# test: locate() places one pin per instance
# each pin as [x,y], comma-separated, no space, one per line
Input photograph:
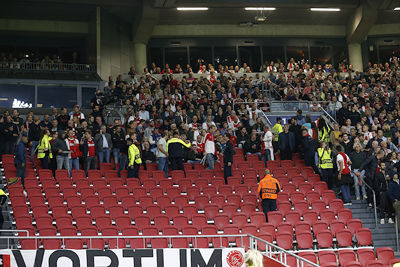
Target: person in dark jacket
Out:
[147,155]
[381,187]
[175,151]
[308,148]
[20,158]
[252,146]
[357,158]
[394,195]
[347,144]
[2,136]
[104,144]
[34,136]
[295,128]
[286,143]
[370,165]
[61,152]
[11,135]
[228,157]
[118,141]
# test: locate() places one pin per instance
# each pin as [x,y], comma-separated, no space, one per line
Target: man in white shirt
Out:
[162,154]
[143,113]
[209,147]
[208,123]
[268,148]
[344,174]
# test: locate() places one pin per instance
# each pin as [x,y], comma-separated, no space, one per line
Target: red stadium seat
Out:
[385,254]
[336,225]
[275,217]
[285,240]
[327,256]
[310,216]
[353,225]
[344,238]
[346,256]
[324,239]
[364,237]
[304,240]
[365,256]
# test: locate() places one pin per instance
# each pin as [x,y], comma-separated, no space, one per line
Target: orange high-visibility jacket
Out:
[269,187]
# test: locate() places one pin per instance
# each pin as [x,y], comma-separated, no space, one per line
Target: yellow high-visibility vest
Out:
[325,158]
[134,155]
[276,130]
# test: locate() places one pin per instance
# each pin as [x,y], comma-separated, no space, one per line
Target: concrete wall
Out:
[116,49]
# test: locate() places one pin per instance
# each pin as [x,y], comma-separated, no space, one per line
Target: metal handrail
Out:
[397,233]
[374,199]
[54,67]
[280,251]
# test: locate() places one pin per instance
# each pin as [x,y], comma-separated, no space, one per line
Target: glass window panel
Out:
[273,53]
[18,92]
[298,53]
[175,56]
[388,52]
[321,55]
[55,95]
[250,55]
[156,56]
[196,53]
[87,95]
[225,56]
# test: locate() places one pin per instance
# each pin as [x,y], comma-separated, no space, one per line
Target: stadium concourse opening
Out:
[200,133]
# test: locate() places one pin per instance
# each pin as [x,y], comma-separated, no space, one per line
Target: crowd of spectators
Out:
[210,111]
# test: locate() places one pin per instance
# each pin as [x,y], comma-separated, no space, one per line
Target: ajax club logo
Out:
[235,258]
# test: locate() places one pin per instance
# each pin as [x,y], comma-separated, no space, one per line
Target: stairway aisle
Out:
[7,224]
[382,236]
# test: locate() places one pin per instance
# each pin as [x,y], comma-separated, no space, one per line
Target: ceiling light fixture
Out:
[260,8]
[325,9]
[192,8]
[397,8]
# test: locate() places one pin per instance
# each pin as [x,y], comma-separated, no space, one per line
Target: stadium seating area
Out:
[310,220]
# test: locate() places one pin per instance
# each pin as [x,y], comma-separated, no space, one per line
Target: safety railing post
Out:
[376,215]
[397,233]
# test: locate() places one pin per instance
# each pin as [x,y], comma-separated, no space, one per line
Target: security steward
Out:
[134,159]
[268,190]
[3,199]
[44,149]
[175,151]
[325,164]
[276,130]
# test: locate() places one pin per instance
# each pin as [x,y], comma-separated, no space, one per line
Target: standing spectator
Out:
[370,165]
[104,144]
[343,163]
[268,147]
[147,155]
[89,151]
[286,143]
[308,149]
[325,163]
[162,154]
[268,190]
[143,113]
[228,157]
[61,151]
[18,121]
[63,119]
[134,159]
[2,136]
[45,123]
[209,148]
[77,114]
[381,186]
[20,158]
[252,146]
[11,135]
[118,141]
[44,149]
[277,129]
[357,158]
[175,151]
[34,136]
[347,144]
[73,147]
[394,194]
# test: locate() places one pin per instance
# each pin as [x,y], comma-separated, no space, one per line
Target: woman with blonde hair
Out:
[253,258]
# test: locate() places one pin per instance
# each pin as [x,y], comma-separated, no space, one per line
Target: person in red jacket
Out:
[73,145]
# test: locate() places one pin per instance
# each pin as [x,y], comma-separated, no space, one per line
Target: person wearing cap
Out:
[175,151]
[134,159]
[20,158]
[60,149]
[268,190]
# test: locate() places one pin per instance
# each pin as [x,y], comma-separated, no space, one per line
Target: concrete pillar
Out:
[355,56]
[140,56]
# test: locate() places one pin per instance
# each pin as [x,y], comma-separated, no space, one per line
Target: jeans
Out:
[258,154]
[75,163]
[210,161]
[123,160]
[268,205]
[346,193]
[104,156]
[163,165]
[115,152]
[90,164]
[33,148]
[356,185]
[266,156]
[21,170]
[63,160]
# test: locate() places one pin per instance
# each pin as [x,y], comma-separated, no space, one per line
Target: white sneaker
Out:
[365,196]
[391,220]
[357,198]
[369,204]
[382,221]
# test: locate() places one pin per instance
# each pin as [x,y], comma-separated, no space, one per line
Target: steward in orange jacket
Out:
[268,190]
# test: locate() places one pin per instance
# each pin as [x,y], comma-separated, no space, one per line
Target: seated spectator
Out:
[252,146]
